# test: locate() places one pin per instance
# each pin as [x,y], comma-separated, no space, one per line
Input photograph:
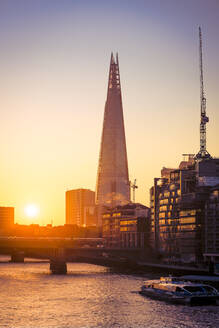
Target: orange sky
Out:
[54,69]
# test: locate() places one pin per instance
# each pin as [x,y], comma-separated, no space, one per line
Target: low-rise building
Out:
[6,218]
[126,226]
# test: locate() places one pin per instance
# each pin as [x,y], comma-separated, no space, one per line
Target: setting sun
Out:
[31,210]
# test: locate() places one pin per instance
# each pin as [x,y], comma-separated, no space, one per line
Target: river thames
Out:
[88,296]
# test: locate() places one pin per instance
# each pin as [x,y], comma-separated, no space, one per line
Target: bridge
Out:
[62,250]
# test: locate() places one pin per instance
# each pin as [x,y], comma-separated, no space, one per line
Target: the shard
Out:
[113,187]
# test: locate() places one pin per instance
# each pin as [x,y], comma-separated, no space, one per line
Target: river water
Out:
[88,296]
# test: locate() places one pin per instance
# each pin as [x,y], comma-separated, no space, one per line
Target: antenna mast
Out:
[203,153]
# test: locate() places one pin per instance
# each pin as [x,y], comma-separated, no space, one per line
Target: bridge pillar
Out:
[57,261]
[17,257]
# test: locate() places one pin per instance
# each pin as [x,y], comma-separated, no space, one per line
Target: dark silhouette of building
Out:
[67,230]
[112,179]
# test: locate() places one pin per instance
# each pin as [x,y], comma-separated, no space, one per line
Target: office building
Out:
[80,207]
[6,218]
[181,200]
[211,241]
[127,226]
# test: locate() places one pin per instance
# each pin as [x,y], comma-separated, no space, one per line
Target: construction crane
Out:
[203,153]
[133,186]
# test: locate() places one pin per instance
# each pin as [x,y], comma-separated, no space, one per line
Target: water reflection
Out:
[89,296]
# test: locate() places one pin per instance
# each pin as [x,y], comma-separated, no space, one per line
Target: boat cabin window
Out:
[208,289]
[178,289]
[194,289]
[149,285]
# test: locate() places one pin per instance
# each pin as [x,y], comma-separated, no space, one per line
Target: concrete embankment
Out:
[171,269]
[143,266]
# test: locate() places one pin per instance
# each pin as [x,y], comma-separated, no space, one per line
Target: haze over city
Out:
[54,72]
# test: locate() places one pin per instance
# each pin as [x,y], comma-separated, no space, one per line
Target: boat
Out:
[208,280]
[180,292]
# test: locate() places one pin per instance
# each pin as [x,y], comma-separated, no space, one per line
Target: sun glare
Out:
[31,210]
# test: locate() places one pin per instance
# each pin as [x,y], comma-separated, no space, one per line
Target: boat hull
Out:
[193,300]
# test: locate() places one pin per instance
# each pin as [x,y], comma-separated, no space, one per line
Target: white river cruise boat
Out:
[181,292]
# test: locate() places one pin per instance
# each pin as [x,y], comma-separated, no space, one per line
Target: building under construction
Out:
[185,203]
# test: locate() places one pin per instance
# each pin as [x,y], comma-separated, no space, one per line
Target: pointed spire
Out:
[117,59]
[112,60]
[114,77]
[113,186]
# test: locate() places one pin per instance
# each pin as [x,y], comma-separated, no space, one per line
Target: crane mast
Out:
[203,153]
[133,186]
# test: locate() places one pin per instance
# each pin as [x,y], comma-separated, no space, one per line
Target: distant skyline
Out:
[54,63]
